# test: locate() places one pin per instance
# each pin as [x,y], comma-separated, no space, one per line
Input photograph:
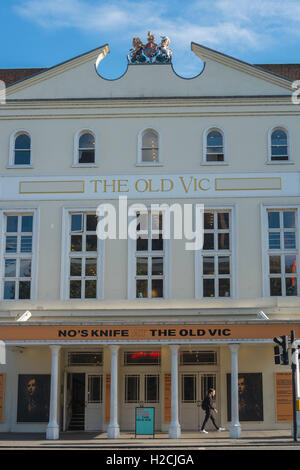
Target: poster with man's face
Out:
[250,397]
[33,398]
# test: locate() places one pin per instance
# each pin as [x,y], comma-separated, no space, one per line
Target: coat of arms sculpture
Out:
[151,52]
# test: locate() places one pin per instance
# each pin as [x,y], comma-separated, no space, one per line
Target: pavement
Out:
[277,439]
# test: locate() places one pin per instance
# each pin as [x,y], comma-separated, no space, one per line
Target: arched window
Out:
[214,146]
[22,149]
[150,147]
[279,145]
[86,148]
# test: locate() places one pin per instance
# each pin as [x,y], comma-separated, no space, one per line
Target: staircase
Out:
[77,421]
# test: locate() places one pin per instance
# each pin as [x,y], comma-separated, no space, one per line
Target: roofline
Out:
[259,67]
[211,52]
[247,64]
[49,69]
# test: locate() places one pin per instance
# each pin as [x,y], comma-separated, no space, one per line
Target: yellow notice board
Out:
[2,378]
[284,397]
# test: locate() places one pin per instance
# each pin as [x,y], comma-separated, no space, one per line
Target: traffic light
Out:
[277,355]
[281,352]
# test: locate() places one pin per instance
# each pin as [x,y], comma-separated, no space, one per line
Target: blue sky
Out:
[42,33]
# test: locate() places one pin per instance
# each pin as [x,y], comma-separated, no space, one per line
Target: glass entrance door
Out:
[94,402]
[193,389]
[76,402]
[140,390]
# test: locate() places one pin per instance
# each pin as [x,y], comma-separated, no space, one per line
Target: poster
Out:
[167,398]
[1,396]
[284,397]
[33,398]
[250,397]
[107,398]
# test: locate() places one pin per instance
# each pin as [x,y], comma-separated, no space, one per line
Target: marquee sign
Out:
[159,333]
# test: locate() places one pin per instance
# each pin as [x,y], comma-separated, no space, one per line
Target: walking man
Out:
[208,407]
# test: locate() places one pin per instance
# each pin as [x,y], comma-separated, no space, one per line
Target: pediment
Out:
[78,78]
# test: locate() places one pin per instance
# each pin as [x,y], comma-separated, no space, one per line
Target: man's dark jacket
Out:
[207,404]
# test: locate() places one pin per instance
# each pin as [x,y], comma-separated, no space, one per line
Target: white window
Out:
[282,252]
[20,149]
[95,389]
[195,387]
[132,388]
[135,393]
[18,260]
[84,148]
[149,147]
[279,148]
[213,150]
[83,268]
[214,263]
[148,258]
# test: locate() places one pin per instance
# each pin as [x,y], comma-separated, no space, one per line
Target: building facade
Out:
[121,323]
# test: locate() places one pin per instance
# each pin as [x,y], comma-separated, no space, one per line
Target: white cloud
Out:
[267,10]
[134,18]
[225,24]
[70,13]
[85,15]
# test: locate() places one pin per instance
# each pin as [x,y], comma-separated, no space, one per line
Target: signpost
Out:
[144,421]
[293,365]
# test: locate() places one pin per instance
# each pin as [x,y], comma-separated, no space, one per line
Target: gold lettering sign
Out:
[189,184]
[178,185]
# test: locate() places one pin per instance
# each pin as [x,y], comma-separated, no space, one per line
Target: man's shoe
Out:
[221,429]
[203,431]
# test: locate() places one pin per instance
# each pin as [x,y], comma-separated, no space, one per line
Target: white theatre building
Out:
[121,323]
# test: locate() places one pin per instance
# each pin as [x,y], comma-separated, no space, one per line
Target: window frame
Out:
[204,149]
[232,253]
[84,352]
[140,162]
[34,253]
[91,376]
[264,245]
[199,351]
[131,286]
[125,362]
[12,140]
[65,256]
[77,136]
[269,161]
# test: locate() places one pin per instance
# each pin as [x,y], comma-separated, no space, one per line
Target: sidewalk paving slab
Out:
[127,440]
